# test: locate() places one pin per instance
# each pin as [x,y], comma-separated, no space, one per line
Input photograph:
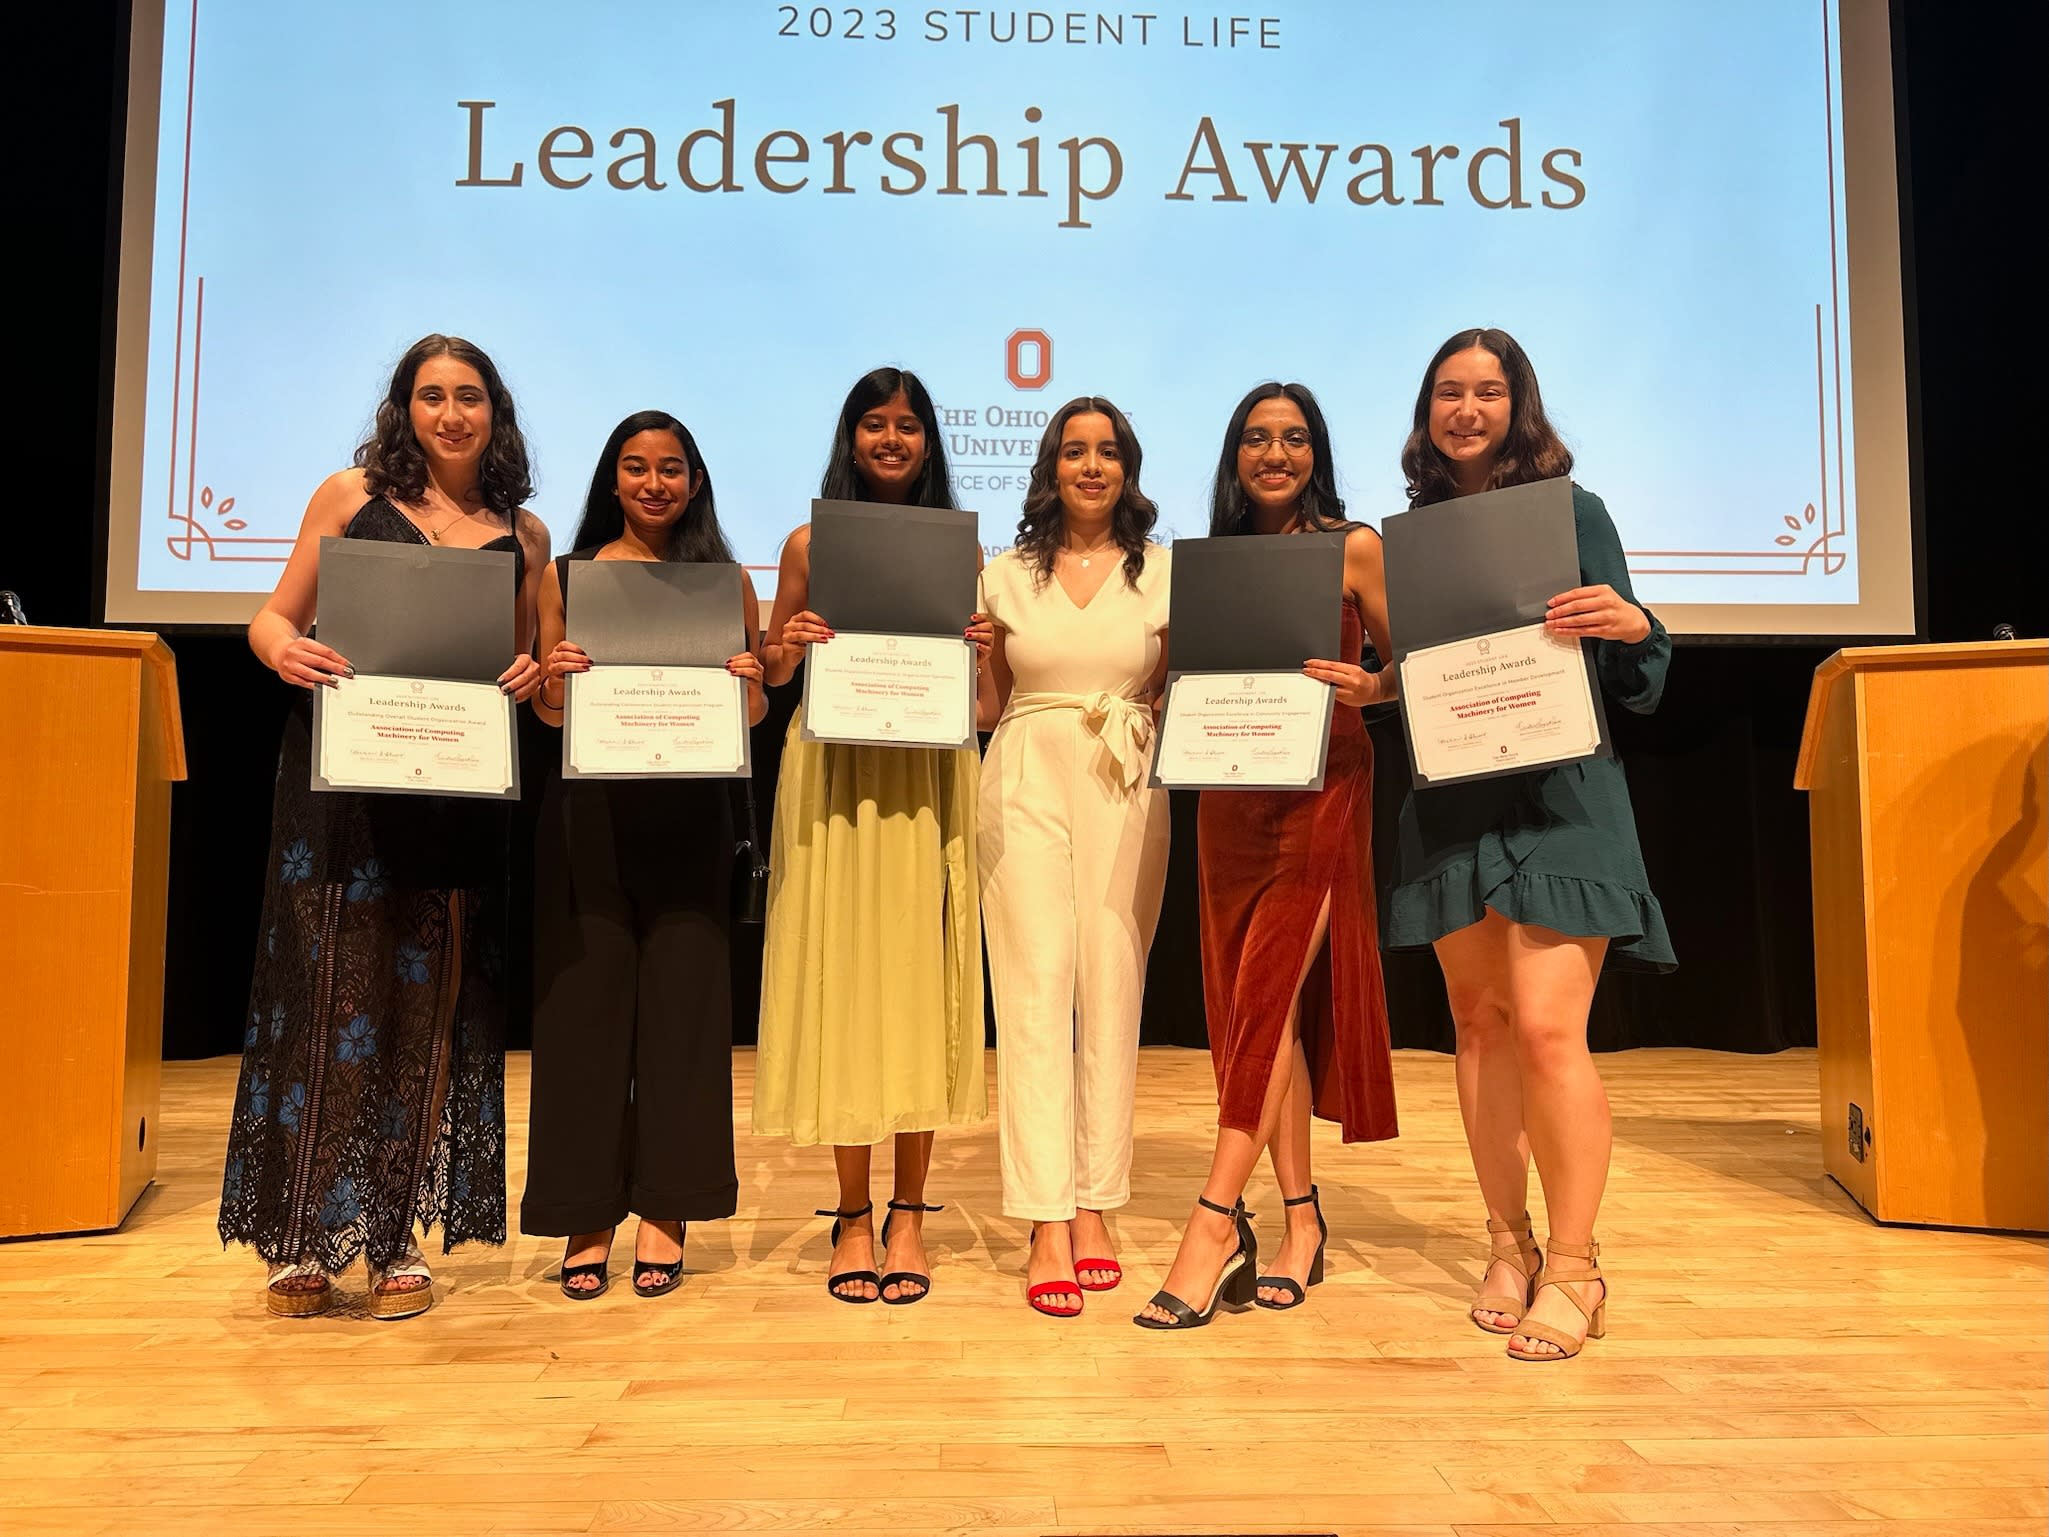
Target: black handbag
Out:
[750,865]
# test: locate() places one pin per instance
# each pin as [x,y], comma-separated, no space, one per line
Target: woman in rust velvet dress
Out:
[1290,946]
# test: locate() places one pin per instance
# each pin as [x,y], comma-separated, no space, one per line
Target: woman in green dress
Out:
[1524,884]
[871,973]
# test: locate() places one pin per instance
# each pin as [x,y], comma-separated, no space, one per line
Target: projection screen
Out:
[1688,214]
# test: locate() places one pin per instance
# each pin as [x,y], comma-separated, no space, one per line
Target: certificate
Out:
[657,702]
[890,690]
[428,631]
[655,722]
[1518,699]
[1243,731]
[426,736]
[1483,689]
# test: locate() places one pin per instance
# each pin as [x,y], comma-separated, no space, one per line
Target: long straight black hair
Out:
[696,535]
[1230,510]
[843,483]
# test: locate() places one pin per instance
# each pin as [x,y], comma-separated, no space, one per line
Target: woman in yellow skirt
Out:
[871,988]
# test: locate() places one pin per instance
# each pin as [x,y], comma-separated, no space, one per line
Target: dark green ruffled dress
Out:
[1555,847]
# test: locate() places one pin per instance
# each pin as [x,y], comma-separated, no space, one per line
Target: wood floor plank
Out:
[1778,1365]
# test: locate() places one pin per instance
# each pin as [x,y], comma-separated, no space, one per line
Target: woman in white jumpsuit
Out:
[1073,846]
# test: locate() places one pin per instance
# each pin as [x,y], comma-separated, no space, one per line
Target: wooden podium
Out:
[89,745]
[1931,932]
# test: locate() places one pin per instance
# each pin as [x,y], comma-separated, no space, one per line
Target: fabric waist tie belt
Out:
[1124,726]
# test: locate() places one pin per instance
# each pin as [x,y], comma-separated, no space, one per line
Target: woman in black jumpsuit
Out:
[632,1067]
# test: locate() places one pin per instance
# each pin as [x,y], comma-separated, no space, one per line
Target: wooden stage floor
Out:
[1777,1366]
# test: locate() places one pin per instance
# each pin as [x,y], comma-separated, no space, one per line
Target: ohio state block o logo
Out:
[1028,359]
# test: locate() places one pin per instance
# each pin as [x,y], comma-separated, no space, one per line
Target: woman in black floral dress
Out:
[373,1072]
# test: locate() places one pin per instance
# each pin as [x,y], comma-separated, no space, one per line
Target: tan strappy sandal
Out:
[1565,1280]
[1514,1245]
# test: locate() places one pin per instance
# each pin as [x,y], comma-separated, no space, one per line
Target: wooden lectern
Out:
[89,745]
[1931,931]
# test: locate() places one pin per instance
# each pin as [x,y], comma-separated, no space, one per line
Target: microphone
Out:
[10,609]
[1999,631]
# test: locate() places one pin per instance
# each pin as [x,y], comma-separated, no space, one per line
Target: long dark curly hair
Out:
[1321,508]
[1039,531]
[843,483]
[395,466]
[1531,451]
[695,536]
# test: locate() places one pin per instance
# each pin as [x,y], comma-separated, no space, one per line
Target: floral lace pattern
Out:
[372,1090]
[369,994]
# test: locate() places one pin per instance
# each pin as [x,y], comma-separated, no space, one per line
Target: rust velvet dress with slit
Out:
[1266,859]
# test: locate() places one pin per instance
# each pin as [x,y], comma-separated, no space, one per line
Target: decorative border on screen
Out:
[1824,525]
[201,504]
[1823,528]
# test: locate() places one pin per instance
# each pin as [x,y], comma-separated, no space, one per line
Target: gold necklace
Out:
[434,534]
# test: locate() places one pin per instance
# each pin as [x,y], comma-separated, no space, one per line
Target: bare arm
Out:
[522,680]
[558,657]
[1366,582]
[792,627]
[278,632]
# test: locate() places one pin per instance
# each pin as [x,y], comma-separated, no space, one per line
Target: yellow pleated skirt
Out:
[871,987]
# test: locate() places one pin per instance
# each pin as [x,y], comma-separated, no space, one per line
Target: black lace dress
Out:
[379,973]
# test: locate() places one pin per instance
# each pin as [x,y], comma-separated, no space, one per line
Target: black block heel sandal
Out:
[834,1282]
[1287,1283]
[897,1278]
[1234,1281]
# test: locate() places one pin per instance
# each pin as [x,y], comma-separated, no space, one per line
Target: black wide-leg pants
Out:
[632,1107]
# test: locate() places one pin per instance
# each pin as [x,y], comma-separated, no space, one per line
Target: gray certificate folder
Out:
[1477,564]
[642,613]
[1255,602]
[415,611]
[1480,564]
[655,613]
[893,570]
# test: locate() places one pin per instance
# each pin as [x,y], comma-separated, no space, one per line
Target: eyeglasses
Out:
[1255,440]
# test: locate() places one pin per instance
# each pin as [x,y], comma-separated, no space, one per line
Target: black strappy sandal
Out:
[671,1274]
[1288,1283]
[571,1272]
[1234,1281]
[897,1278]
[834,1282]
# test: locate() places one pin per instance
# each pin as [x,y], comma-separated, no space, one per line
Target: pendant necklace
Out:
[1087,556]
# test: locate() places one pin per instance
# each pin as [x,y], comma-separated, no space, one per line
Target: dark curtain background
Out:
[1724,833]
